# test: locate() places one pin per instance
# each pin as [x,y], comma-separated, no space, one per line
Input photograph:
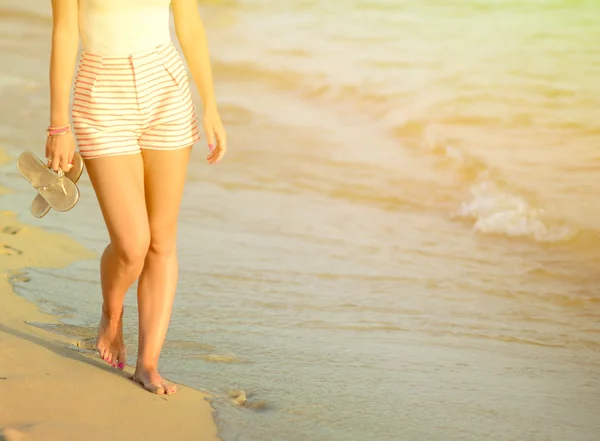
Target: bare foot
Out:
[110,343]
[153,382]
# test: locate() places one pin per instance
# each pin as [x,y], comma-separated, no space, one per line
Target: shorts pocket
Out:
[87,77]
[174,67]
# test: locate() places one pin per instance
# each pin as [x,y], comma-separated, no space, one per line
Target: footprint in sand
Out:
[87,344]
[239,398]
[10,230]
[6,250]
[10,434]
[19,277]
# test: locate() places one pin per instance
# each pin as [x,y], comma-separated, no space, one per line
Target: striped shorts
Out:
[122,105]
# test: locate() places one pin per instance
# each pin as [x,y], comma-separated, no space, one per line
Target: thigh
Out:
[119,185]
[165,174]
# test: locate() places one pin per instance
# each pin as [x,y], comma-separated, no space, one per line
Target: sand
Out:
[51,392]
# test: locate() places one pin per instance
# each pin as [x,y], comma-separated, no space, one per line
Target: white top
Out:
[123,27]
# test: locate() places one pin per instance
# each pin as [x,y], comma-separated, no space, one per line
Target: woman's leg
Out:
[165,173]
[119,185]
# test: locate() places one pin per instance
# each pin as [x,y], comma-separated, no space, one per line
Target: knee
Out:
[162,246]
[133,250]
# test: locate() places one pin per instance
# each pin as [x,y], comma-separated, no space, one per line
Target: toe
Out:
[169,388]
[122,361]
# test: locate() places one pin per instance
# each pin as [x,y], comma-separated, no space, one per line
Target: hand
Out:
[215,132]
[60,150]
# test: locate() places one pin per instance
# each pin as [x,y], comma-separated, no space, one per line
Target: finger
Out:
[65,164]
[211,159]
[48,146]
[71,158]
[210,136]
[214,152]
[222,143]
[216,156]
[220,156]
[221,146]
[55,162]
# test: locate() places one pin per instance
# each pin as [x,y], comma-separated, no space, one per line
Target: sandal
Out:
[60,193]
[39,206]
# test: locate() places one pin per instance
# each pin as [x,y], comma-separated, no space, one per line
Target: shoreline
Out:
[50,392]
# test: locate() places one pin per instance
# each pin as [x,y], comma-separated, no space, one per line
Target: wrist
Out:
[58,130]
[59,120]
[210,106]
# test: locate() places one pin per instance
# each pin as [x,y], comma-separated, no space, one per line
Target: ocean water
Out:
[403,243]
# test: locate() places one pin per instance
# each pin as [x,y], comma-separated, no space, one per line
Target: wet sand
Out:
[49,390]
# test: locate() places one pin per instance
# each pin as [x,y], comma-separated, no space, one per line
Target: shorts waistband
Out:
[147,56]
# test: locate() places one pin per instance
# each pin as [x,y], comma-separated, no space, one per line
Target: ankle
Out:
[146,366]
[112,314]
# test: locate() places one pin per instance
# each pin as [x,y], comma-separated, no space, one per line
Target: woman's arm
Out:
[65,44]
[192,38]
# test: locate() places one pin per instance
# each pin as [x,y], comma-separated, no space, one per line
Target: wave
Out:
[495,211]
[482,197]
[313,85]
[491,205]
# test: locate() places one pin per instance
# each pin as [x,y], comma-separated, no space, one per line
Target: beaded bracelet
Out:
[57,131]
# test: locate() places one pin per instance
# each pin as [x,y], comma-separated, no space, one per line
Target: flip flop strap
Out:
[59,181]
